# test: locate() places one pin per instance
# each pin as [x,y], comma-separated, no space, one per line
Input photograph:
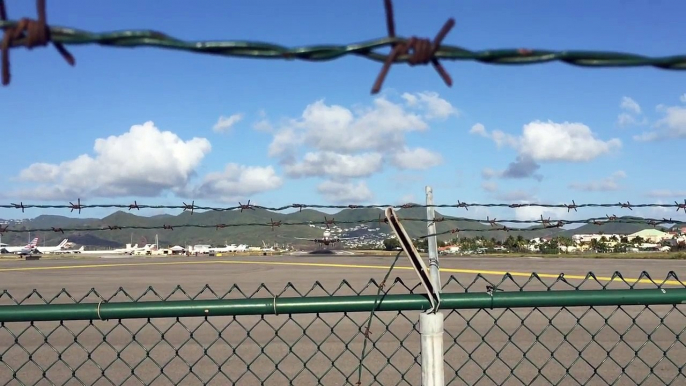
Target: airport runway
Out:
[334,341]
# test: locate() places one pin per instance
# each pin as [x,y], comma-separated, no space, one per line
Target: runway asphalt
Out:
[559,342]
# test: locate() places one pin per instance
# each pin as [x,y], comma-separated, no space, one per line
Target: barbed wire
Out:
[78,206]
[495,225]
[32,33]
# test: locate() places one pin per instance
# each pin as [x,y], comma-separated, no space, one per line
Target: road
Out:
[325,349]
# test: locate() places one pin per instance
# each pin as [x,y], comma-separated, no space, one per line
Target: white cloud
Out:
[671,126]
[236,182]
[630,105]
[345,192]
[224,124]
[607,184]
[631,114]
[327,163]
[434,105]
[664,193]
[554,142]
[141,162]
[682,98]
[329,140]
[479,129]
[263,123]
[534,213]
[418,158]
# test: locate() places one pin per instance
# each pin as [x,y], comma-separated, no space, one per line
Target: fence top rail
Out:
[337,304]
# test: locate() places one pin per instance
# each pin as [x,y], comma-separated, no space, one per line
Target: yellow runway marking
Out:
[332,265]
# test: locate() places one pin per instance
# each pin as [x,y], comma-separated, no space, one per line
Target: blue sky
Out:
[312,133]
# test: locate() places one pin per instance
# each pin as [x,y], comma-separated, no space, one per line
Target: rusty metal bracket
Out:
[416,260]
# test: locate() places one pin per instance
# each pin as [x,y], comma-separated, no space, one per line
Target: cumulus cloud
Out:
[631,113]
[328,163]
[141,162]
[430,102]
[553,142]
[418,158]
[607,184]
[224,124]
[236,182]
[671,126]
[529,213]
[339,143]
[345,192]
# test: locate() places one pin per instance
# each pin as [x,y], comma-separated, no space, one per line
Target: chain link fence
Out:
[634,343]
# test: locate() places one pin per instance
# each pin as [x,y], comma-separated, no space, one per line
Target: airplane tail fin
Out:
[63,243]
[82,248]
[33,242]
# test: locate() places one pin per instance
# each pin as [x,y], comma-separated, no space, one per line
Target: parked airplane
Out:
[128,250]
[68,251]
[229,248]
[54,249]
[28,247]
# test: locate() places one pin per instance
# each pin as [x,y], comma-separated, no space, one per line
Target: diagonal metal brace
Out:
[415,259]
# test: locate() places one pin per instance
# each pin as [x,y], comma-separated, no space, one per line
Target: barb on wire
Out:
[190,207]
[412,51]
[245,206]
[76,206]
[274,223]
[29,33]
[419,51]
[487,225]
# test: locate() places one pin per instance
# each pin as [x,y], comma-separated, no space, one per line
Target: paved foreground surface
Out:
[511,347]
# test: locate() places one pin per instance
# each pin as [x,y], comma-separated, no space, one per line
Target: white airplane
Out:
[54,249]
[230,248]
[119,251]
[28,247]
[69,251]
[327,239]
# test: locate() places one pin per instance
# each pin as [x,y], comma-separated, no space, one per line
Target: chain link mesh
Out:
[625,345]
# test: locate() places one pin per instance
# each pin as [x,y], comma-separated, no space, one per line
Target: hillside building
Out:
[651,235]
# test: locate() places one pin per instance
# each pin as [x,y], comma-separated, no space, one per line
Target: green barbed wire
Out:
[495,225]
[192,207]
[30,33]
[263,50]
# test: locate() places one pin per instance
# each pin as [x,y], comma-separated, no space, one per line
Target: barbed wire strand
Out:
[495,225]
[192,208]
[30,33]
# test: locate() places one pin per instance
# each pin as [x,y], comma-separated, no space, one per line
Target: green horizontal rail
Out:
[337,304]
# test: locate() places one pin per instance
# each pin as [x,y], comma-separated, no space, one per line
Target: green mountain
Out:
[624,225]
[248,227]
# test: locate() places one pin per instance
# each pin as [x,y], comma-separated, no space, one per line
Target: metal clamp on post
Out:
[415,259]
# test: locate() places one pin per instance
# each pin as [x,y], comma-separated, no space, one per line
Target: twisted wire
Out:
[495,225]
[192,207]
[29,33]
